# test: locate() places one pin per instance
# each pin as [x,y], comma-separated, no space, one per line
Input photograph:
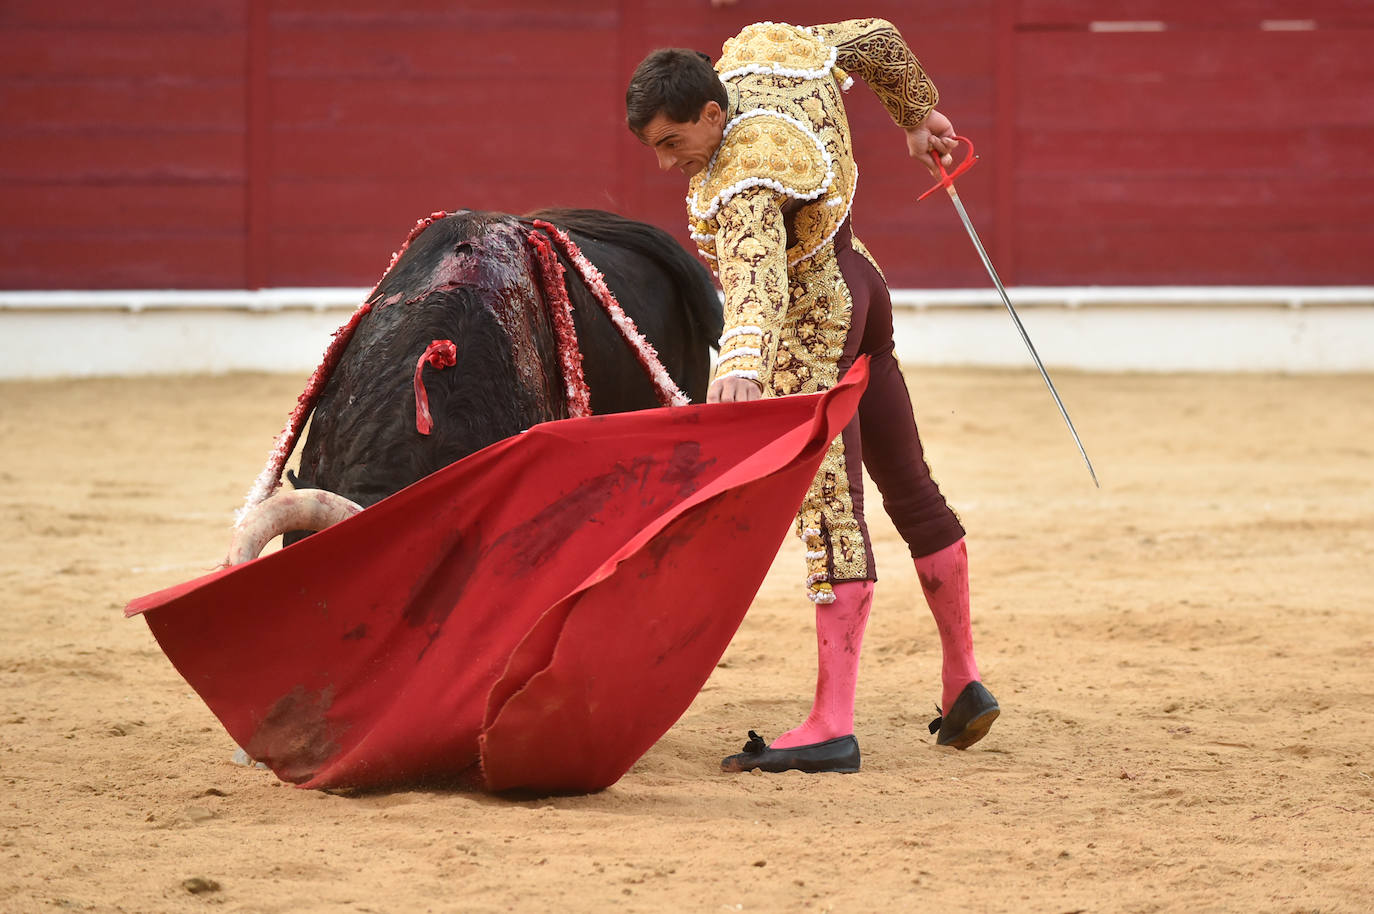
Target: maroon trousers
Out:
[882,436]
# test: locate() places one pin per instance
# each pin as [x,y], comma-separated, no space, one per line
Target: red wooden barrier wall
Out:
[233,143]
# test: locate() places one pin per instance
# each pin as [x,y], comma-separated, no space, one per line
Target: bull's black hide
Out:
[469,278]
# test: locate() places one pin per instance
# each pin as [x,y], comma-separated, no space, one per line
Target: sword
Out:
[947,182]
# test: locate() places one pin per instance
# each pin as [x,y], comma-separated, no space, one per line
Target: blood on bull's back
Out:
[471,279]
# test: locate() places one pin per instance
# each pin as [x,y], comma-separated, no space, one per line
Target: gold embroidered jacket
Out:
[783,179]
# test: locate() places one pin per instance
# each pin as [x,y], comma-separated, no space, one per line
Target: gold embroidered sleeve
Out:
[874,50]
[751,247]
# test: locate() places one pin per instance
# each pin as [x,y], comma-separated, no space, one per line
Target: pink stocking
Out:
[944,578]
[839,637]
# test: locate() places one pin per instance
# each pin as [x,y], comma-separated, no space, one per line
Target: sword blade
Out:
[1016,319]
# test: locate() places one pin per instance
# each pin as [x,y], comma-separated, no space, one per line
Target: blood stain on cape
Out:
[297,728]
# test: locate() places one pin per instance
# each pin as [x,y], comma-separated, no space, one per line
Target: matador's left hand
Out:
[934,134]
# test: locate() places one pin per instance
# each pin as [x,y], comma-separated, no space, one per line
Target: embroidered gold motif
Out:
[787,309]
[770,110]
[874,49]
[811,342]
[774,45]
[750,238]
[763,150]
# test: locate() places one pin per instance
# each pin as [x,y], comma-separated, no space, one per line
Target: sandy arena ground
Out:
[1184,660]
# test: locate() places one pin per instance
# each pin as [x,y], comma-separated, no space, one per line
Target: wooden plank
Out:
[259,139]
[627,195]
[445,52]
[662,205]
[176,260]
[338,258]
[126,105]
[376,115]
[121,208]
[105,156]
[1233,14]
[941,258]
[393,108]
[1256,152]
[387,201]
[478,13]
[481,151]
[1090,203]
[1005,100]
[124,14]
[1217,196]
[1133,255]
[912,21]
[1225,81]
[36,54]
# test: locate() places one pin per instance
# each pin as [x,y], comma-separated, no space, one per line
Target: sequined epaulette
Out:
[763,149]
[775,48]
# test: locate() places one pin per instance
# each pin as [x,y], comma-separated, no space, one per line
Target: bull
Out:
[466,341]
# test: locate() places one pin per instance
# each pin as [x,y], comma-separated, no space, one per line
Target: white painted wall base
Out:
[84,334]
[1320,329]
[1143,329]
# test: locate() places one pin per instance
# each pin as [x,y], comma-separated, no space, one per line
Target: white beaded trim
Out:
[816,555]
[824,597]
[741,373]
[853,192]
[755,69]
[775,70]
[724,196]
[740,331]
[848,80]
[742,351]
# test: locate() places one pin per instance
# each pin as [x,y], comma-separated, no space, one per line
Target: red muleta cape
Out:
[534,616]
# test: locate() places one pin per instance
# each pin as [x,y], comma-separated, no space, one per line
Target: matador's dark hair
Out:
[675,81]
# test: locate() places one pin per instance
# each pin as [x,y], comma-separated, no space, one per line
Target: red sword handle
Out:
[947,177]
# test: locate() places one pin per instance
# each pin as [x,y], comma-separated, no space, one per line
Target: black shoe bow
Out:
[840,755]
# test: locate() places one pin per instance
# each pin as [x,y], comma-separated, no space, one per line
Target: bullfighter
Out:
[764,140]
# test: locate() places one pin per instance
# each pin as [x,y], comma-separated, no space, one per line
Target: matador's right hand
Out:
[934,134]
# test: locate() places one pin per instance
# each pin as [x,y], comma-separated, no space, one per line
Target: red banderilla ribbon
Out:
[441,354]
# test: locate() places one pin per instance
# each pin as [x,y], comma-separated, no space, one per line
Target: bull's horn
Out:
[303,509]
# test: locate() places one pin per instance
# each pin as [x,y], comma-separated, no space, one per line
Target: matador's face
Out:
[685,145]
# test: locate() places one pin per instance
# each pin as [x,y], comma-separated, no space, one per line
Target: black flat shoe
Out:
[968,719]
[840,755]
